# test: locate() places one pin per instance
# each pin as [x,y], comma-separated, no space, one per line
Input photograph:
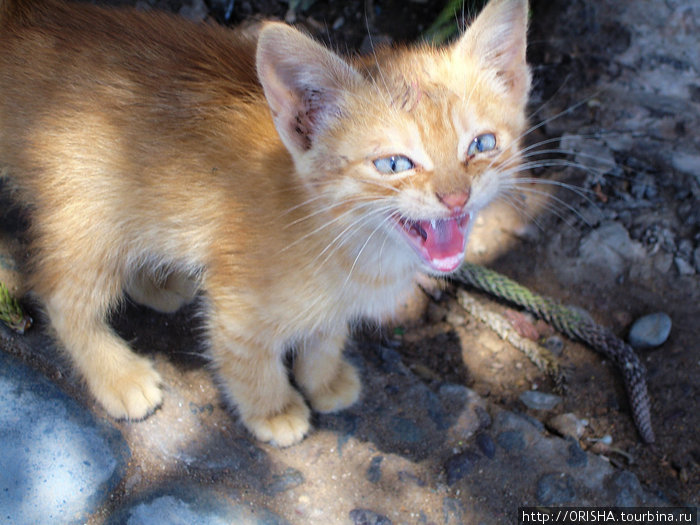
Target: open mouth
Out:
[439,242]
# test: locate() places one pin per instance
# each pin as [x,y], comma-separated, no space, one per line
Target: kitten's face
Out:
[429,152]
[415,142]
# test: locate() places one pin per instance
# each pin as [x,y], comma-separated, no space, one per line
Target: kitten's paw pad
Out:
[283,429]
[340,393]
[133,393]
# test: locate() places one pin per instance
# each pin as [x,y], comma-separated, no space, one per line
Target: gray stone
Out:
[460,465]
[289,479]
[374,471]
[650,331]
[511,440]
[567,425]
[539,400]
[58,462]
[555,489]
[683,266]
[577,457]
[368,517]
[626,488]
[192,504]
[609,249]
[486,444]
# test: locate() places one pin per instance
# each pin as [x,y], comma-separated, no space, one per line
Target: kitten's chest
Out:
[357,299]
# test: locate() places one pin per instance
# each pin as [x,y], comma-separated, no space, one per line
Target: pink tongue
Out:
[445,239]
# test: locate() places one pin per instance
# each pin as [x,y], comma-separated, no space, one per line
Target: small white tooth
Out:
[433,223]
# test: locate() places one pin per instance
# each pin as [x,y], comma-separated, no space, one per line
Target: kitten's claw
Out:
[285,428]
[133,393]
[340,393]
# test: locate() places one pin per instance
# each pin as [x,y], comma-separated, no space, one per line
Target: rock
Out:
[58,462]
[595,155]
[577,457]
[687,163]
[554,344]
[374,471]
[609,250]
[460,465]
[555,489]
[368,517]
[486,444]
[683,266]
[650,331]
[539,400]
[567,425]
[279,483]
[196,11]
[511,440]
[626,488]
[189,503]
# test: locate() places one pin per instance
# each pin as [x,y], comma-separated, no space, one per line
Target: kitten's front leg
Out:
[327,379]
[125,383]
[254,379]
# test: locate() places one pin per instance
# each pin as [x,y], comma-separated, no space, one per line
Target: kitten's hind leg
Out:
[327,379]
[77,297]
[164,293]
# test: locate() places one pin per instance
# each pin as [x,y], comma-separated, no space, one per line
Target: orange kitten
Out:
[298,191]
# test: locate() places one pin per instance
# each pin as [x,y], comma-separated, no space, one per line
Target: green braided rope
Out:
[575,326]
[11,312]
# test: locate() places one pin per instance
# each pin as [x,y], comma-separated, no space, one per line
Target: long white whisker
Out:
[369,237]
[335,245]
[325,225]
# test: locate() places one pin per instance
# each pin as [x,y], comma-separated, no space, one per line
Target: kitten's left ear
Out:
[498,39]
[304,84]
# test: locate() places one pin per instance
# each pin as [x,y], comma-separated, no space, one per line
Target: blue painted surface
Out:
[57,461]
[193,504]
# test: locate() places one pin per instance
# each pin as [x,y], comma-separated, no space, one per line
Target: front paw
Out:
[130,391]
[339,393]
[284,428]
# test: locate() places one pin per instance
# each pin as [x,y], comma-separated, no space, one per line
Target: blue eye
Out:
[393,164]
[481,143]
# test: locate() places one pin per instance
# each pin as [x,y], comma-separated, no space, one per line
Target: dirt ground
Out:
[580,55]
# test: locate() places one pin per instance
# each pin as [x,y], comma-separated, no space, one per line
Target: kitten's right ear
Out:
[304,84]
[498,40]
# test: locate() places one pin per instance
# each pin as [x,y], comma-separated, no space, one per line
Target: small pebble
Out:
[555,344]
[577,457]
[650,331]
[555,489]
[567,425]
[511,440]
[539,400]
[486,444]
[368,517]
[374,471]
[483,416]
[683,266]
[460,465]
[338,23]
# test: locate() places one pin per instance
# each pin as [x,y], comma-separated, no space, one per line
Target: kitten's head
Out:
[405,145]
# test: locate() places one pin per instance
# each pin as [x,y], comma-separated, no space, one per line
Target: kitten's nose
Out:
[455,201]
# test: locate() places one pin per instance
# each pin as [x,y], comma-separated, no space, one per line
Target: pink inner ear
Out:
[308,118]
[303,83]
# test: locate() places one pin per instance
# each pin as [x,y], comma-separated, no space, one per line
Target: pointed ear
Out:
[304,84]
[498,40]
